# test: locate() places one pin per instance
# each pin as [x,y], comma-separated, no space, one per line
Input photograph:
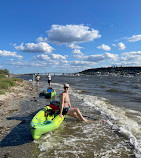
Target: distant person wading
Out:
[37,79]
[49,80]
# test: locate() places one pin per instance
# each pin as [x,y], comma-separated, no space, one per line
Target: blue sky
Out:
[69,36]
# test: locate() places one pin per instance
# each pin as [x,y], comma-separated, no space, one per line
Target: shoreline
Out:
[10,105]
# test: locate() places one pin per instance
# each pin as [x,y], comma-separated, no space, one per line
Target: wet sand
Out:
[14,129]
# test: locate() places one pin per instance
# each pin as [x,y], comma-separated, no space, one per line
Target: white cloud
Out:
[121,46]
[41,39]
[78,54]
[77,51]
[125,63]
[104,47]
[5,53]
[11,60]
[51,57]
[81,63]
[42,57]
[102,57]
[132,56]
[134,38]
[29,63]
[74,46]
[41,47]
[129,59]
[111,56]
[68,34]
[58,56]
[114,45]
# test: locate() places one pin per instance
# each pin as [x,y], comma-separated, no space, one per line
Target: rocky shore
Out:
[10,104]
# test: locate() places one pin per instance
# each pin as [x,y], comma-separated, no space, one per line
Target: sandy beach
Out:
[10,105]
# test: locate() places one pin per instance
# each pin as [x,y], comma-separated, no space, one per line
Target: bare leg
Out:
[75,112]
[49,84]
[75,115]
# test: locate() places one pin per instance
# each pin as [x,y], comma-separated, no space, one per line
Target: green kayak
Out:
[44,121]
[49,93]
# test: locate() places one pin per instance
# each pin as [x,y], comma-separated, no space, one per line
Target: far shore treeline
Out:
[6,81]
[114,70]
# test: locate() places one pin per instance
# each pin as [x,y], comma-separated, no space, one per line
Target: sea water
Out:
[114,102]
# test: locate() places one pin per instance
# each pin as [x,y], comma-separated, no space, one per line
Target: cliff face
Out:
[119,70]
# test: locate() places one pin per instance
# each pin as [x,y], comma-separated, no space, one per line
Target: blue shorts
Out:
[65,110]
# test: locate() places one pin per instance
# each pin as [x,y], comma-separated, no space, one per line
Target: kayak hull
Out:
[43,122]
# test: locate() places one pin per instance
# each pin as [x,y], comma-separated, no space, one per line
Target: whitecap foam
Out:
[125,125]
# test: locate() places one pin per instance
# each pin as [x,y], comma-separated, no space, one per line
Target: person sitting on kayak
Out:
[65,106]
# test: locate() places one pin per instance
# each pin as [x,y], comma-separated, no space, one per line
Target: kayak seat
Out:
[49,90]
[47,122]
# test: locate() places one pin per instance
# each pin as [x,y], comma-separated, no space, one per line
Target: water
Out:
[113,103]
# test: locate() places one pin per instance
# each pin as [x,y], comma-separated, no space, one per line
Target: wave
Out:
[116,117]
[119,91]
[124,125]
[136,86]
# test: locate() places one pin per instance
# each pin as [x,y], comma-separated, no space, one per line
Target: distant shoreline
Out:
[135,71]
[117,71]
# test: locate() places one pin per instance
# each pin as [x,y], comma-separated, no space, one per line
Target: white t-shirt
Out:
[49,77]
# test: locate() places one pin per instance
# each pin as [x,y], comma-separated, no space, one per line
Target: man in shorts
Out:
[49,80]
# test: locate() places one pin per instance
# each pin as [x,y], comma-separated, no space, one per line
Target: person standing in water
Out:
[37,79]
[65,106]
[49,80]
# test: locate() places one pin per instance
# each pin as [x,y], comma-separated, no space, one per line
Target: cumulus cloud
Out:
[41,39]
[81,63]
[74,46]
[58,56]
[102,57]
[42,57]
[131,56]
[78,54]
[51,57]
[5,53]
[41,47]
[28,64]
[134,38]
[129,59]
[121,46]
[104,47]
[68,34]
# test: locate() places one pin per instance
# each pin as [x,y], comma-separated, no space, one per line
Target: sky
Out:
[67,36]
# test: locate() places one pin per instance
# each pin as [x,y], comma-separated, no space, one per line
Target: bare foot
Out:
[85,120]
[89,121]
